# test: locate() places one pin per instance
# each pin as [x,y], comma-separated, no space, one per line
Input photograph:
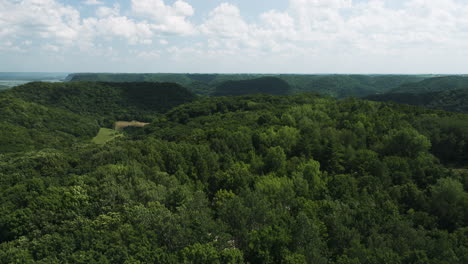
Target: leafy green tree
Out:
[448,201]
[275,160]
[406,143]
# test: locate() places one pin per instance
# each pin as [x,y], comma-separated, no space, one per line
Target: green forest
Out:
[284,169]
[449,93]
[339,86]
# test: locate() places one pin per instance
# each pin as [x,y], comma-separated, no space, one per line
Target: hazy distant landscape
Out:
[11,79]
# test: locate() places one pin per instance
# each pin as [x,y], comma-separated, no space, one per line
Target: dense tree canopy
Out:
[437,84]
[264,85]
[111,101]
[28,126]
[450,100]
[247,179]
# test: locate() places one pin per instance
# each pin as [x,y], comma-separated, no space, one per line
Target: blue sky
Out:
[295,36]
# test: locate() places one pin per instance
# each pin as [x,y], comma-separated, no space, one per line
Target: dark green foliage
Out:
[447,93]
[448,100]
[250,179]
[202,77]
[27,126]
[114,101]
[124,77]
[338,86]
[264,85]
[436,84]
[330,85]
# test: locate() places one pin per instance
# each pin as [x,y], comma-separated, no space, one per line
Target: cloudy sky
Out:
[263,36]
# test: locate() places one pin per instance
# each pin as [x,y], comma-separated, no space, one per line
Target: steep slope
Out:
[384,83]
[264,85]
[109,100]
[436,84]
[450,100]
[340,86]
[27,126]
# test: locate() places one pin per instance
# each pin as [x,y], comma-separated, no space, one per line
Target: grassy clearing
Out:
[119,125]
[105,135]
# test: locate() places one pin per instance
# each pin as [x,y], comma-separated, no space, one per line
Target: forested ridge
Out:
[447,93]
[239,179]
[436,84]
[108,100]
[264,85]
[335,85]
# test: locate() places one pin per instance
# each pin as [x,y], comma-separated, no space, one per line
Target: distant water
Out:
[12,83]
[12,79]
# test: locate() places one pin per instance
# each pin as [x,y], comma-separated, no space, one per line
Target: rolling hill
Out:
[451,100]
[126,101]
[331,85]
[446,93]
[436,84]
[264,85]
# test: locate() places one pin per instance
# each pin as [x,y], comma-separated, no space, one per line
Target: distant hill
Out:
[450,100]
[196,83]
[448,93]
[181,79]
[331,85]
[339,86]
[434,85]
[264,85]
[202,77]
[126,101]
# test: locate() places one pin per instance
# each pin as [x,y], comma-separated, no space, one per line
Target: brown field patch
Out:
[119,125]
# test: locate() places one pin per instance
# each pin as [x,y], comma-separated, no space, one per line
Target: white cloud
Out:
[104,11]
[316,32]
[225,21]
[50,47]
[11,47]
[61,24]
[167,19]
[39,18]
[149,55]
[226,29]
[118,26]
[92,2]
[334,27]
